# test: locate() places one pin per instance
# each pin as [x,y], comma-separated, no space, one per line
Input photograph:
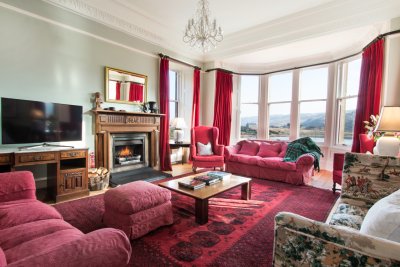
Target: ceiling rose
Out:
[200,32]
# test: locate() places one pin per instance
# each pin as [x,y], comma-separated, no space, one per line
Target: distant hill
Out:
[308,120]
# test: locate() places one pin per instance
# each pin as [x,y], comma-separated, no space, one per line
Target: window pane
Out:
[313,83]
[353,77]
[248,121]
[172,85]
[346,120]
[279,121]
[280,87]
[312,120]
[249,89]
[172,111]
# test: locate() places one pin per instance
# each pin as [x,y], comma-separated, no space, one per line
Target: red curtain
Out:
[165,159]
[369,94]
[196,98]
[223,106]
[118,91]
[136,92]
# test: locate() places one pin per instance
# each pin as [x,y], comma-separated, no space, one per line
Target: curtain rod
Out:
[179,61]
[311,65]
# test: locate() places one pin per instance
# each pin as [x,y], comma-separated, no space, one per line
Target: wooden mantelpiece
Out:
[109,122]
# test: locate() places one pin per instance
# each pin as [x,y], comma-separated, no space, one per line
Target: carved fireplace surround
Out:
[111,123]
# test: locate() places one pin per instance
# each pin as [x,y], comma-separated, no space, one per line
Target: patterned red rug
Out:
[239,233]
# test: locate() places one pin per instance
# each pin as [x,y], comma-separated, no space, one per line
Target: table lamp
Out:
[179,124]
[389,123]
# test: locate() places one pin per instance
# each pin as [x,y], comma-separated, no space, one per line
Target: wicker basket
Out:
[99,179]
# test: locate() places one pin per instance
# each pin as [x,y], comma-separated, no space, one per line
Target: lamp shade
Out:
[389,120]
[179,123]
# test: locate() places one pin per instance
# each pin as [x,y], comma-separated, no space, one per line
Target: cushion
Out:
[276,163]
[283,150]
[249,148]
[269,150]
[245,159]
[18,212]
[213,158]
[3,261]
[383,218]
[136,196]
[204,150]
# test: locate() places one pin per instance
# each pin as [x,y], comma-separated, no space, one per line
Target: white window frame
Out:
[254,103]
[340,95]
[178,89]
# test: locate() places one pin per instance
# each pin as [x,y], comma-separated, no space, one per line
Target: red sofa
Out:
[264,159]
[35,234]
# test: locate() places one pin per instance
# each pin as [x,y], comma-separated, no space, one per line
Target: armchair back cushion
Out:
[10,190]
[368,178]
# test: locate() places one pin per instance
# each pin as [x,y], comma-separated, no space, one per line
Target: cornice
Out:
[94,13]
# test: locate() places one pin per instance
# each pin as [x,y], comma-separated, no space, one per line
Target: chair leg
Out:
[334,187]
[194,169]
[214,168]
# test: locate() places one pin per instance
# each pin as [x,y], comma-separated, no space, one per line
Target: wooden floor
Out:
[322,179]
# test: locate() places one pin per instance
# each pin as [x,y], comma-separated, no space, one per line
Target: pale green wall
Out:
[45,62]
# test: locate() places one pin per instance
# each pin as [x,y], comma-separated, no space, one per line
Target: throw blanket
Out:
[302,146]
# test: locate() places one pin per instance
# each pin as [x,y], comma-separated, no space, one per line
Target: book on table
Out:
[209,180]
[192,184]
[219,174]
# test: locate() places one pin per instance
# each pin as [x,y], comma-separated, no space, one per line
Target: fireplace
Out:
[129,151]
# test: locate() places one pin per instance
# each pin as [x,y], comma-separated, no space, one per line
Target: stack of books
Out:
[192,184]
[209,180]
[219,174]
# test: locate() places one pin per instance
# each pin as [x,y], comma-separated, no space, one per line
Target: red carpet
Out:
[239,233]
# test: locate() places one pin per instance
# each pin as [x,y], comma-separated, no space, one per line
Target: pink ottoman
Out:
[137,208]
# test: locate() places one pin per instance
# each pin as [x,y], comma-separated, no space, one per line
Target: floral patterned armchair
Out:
[304,242]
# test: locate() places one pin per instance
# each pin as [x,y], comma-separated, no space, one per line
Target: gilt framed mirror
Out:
[125,87]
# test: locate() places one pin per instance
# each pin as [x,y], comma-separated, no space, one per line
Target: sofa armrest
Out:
[305,159]
[104,247]
[299,239]
[17,185]
[230,150]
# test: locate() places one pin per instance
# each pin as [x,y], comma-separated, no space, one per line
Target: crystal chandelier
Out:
[200,32]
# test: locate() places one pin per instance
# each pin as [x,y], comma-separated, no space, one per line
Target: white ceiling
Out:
[256,32]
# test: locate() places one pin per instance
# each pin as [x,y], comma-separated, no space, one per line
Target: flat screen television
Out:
[26,121]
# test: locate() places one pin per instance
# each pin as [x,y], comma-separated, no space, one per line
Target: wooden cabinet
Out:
[70,167]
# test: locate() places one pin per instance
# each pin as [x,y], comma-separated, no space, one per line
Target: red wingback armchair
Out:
[204,135]
[338,161]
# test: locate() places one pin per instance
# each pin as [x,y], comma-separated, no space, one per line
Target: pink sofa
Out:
[264,159]
[34,234]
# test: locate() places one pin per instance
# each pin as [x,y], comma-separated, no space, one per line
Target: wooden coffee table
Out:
[203,194]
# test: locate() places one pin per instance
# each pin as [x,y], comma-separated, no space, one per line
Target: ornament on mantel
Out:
[98,101]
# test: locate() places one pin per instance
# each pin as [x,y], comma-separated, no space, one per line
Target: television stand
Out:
[42,145]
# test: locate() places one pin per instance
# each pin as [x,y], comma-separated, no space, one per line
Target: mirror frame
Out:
[107,69]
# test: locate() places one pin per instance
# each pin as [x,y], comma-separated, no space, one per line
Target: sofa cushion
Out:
[269,150]
[245,159]
[18,212]
[204,150]
[136,196]
[383,218]
[13,236]
[3,261]
[348,215]
[249,148]
[283,150]
[42,244]
[276,163]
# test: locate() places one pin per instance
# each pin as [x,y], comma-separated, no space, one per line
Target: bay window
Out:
[249,95]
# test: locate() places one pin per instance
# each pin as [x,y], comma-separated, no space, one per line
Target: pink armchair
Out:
[338,161]
[204,135]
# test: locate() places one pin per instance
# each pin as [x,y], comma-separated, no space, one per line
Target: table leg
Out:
[201,211]
[246,191]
